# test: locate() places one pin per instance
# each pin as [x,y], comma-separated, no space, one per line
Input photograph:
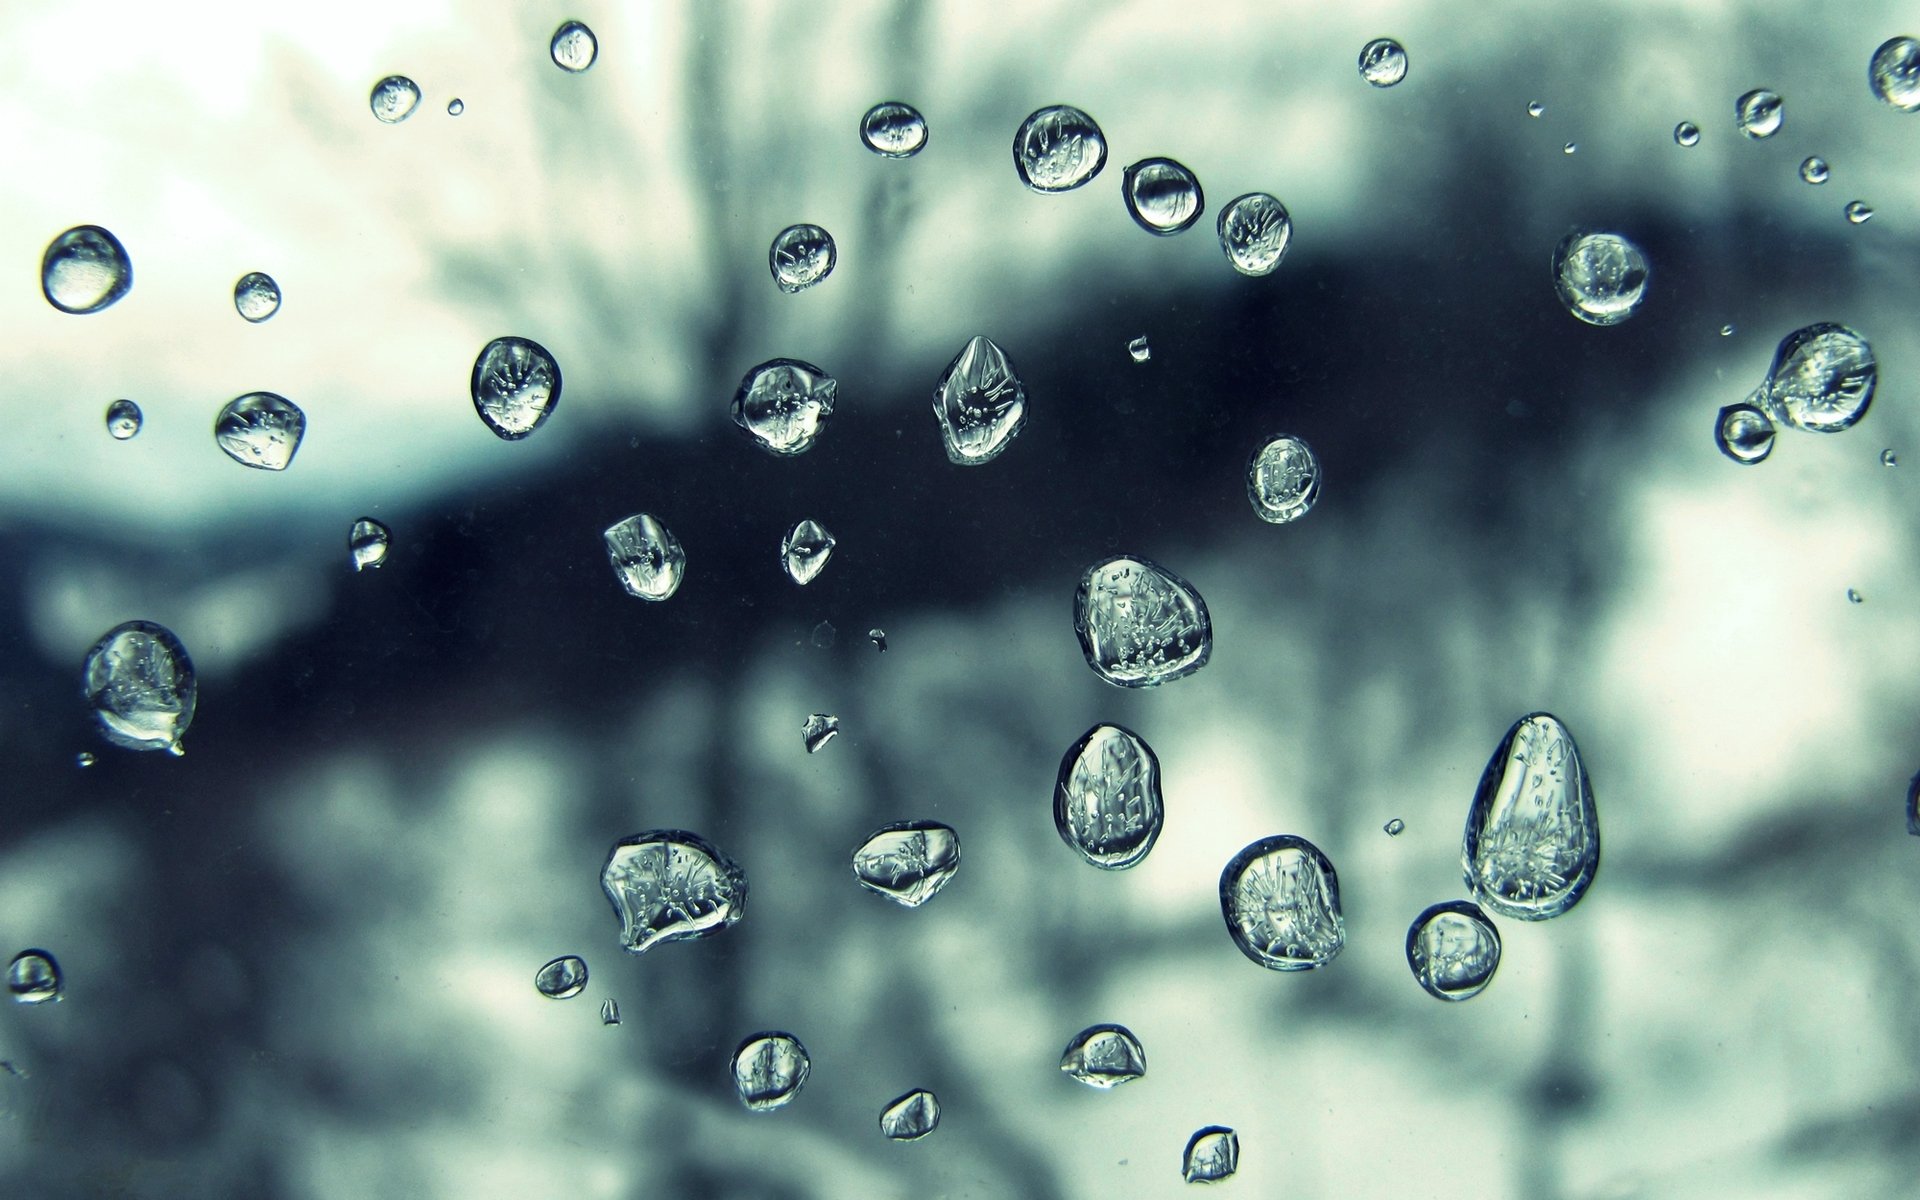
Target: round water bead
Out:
[367,542]
[83,759]
[456,106]
[515,386]
[574,47]
[647,559]
[1822,379]
[1106,798]
[1383,62]
[1814,170]
[1212,1154]
[1600,277]
[1163,196]
[783,404]
[33,977]
[911,1117]
[1532,843]
[1894,73]
[1858,212]
[908,862]
[1058,148]
[769,1069]
[668,885]
[1760,113]
[980,403]
[563,978]
[123,419]
[1281,900]
[85,270]
[1104,1057]
[893,129]
[140,685]
[1744,434]
[801,256]
[1254,230]
[1139,624]
[1283,479]
[394,98]
[260,430]
[256,297]
[1686,133]
[1454,950]
[1536,109]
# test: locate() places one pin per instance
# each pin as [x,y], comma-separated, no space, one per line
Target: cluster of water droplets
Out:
[1821,380]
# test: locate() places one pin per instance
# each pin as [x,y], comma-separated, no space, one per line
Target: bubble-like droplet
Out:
[1383,62]
[515,386]
[1894,73]
[1888,458]
[1140,625]
[1760,113]
[394,98]
[911,1117]
[609,1011]
[801,256]
[805,550]
[1058,148]
[1453,950]
[1106,798]
[261,430]
[1822,379]
[1686,133]
[1163,196]
[1532,842]
[818,730]
[879,639]
[908,862]
[893,129]
[84,759]
[668,885]
[1281,899]
[123,419]
[1104,1056]
[1854,597]
[85,270]
[1744,433]
[1212,1154]
[140,685]
[256,297]
[1283,479]
[367,542]
[33,977]
[646,557]
[1255,230]
[1601,277]
[769,1069]
[1536,109]
[783,404]
[1394,828]
[1139,350]
[980,403]
[574,47]
[1858,212]
[455,107]
[1814,170]
[563,978]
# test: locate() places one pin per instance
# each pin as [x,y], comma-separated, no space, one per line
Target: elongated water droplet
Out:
[783,404]
[1255,230]
[1822,379]
[256,297]
[1532,843]
[805,550]
[1395,827]
[893,129]
[908,862]
[1743,433]
[1383,62]
[1601,277]
[1106,798]
[1139,350]
[85,270]
[801,256]
[911,1117]
[769,1069]
[574,47]
[1854,597]
[1814,170]
[1536,109]
[394,98]
[563,978]
[1759,113]
[260,430]
[1686,133]
[819,729]
[1894,73]
[1283,479]
[1212,1154]
[647,559]
[980,403]
[1104,1056]
[1281,899]
[1058,148]
[1913,806]
[1888,458]
[455,107]
[879,639]
[1163,196]
[1453,950]
[609,1011]
[123,419]
[668,885]
[33,977]
[1859,212]
[1139,624]
[515,386]
[140,685]
[367,542]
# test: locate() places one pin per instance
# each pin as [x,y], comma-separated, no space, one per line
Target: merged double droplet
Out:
[1822,379]
[1139,624]
[769,1069]
[647,559]
[1104,1057]
[908,862]
[783,405]
[85,270]
[1106,798]
[1744,433]
[1453,950]
[140,685]
[515,386]
[1058,148]
[1281,900]
[668,885]
[1532,841]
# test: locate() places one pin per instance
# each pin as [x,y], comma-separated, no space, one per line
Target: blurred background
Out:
[299,959]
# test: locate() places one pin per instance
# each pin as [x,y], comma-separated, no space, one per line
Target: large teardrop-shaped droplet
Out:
[1281,899]
[980,403]
[140,684]
[515,386]
[668,885]
[1533,835]
[1140,625]
[1106,799]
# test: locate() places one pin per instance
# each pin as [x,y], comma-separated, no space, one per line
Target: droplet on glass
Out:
[1383,62]
[1212,1154]
[908,862]
[1106,798]
[1163,196]
[1453,950]
[1601,277]
[911,1117]
[1744,433]
[1139,624]
[1532,842]
[879,639]
[980,403]
[1254,230]
[819,729]
[1394,828]
[783,404]
[1894,73]
[563,978]
[668,885]
[394,99]
[456,106]
[1058,148]
[84,759]
[1686,133]
[801,256]
[609,1011]
[1281,899]
[123,419]
[260,430]
[1570,148]
[1283,479]
[1858,212]
[1814,170]
[1888,458]
[1854,597]
[1536,109]
[769,1069]
[574,47]
[1760,113]
[1139,350]
[33,977]
[85,270]
[1822,379]
[140,685]
[805,550]
[893,129]
[515,386]
[646,557]
[256,297]
[823,635]
[367,542]
[1104,1056]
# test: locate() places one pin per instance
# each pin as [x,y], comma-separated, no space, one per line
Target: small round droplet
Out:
[1601,277]
[879,639]
[1139,350]
[1283,479]
[1570,148]
[1212,1154]
[769,1069]
[455,107]
[1744,434]
[394,99]
[1854,597]
[367,543]
[1139,624]
[1163,196]
[1281,900]
[140,685]
[256,297]
[574,47]
[1888,458]
[1536,109]
[609,1011]
[1106,798]
[893,129]
[123,419]
[1822,379]
[1686,133]
[1255,230]
[1454,950]
[1760,113]
[911,1117]
[84,759]
[1814,170]
[515,386]
[1383,62]
[1532,843]
[33,977]
[1894,73]
[783,404]
[260,430]
[85,270]
[805,550]
[668,885]
[647,559]
[980,403]
[1394,828]
[801,256]
[563,978]
[1104,1057]
[818,730]
[1858,212]
[1058,148]
[908,862]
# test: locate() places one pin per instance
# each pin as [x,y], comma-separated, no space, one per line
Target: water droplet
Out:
[455,107]
[1814,170]
[1888,458]
[609,1011]
[1106,798]
[893,129]
[367,542]
[1140,625]
[769,1069]
[1104,1056]
[911,1117]
[1913,806]
[261,430]
[1139,349]
[1726,331]
[1858,212]
[1570,148]
[84,759]
[1760,113]
[819,729]
[908,862]
[1601,277]
[668,885]
[1894,73]
[646,557]
[1532,843]
[1255,230]
[1383,62]
[123,419]
[256,297]
[563,978]
[1686,133]
[1058,148]
[1283,479]
[140,684]
[1453,950]
[980,403]
[1854,597]
[1536,109]
[1744,434]
[1395,827]
[879,639]
[1163,196]
[805,550]
[394,99]
[515,386]
[801,256]
[85,270]
[574,47]
[1212,1154]
[784,403]
[1822,379]
[33,977]
[1281,899]
[823,635]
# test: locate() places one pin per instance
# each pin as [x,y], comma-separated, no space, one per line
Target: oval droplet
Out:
[1139,624]
[84,759]
[1212,1154]
[1255,230]
[1163,196]
[1104,1057]
[1383,62]
[1822,379]
[980,403]
[123,420]
[1394,828]
[1744,433]
[805,550]
[893,129]
[1814,170]
[1139,350]
[256,297]
[818,730]
[1283,479]
[563,978]
[1281,899]
[515,386]
[911,1117]
[85,270]
[1888,458]
[140,685]
[574,47]
[1106,798]
[783,404]
[668,885]
[1058,148]
[1532,843]
[455,107]
[908,862]
[1858,212]
[1536,109]
[1686,133]
[367,542]
[1760,113]
[1894,73]
[394,98]
[1454,950]
[1601,277]
[1570,148]
[33,977]
[769,1069]
[260,430]
[647,559]
[801,256]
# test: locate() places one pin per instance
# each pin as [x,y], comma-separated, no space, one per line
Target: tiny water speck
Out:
[1104,1057]
[1854,597]
[562,978]
[123,420]
[823,635]
[879,639]
[1536,109]
[256,297]
[1058,148]
[647,559]
[1858,212]
[609,1011]
[33,977]
[1212,1154]
[1744,433]
[769,1069]
[818,730]
[801,256]
[1726,331]
[515,386]
[894,129]
[1163,196]
[1686,133]
[1760,113]
[1600,277]
[85,270]
[911,1117]
[393,99]
[1894,73]
[1814,170]
[1254,230]
[669,885]
[1394,828]
[1383,62]
[1281,900]
[367,543]
[140,685]
[574,47]
[1453,950]
[908,862]
[1139,350]
[783,405]
[456,106]
[1888,458]
[805,550]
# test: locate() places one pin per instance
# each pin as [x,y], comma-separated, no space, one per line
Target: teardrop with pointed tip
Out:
[980,403]
[1139,624]
[1104,1057]
[1106,798]
[515,386]
[908,862]
[668,885]
[1532,843]
[140,685]
[1383,62]
[1281,900]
